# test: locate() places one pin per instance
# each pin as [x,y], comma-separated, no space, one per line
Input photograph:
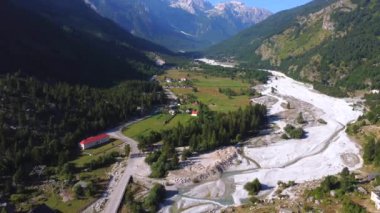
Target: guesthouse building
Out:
[94,141]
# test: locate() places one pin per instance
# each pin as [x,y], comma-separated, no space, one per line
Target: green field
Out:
[156,122]
[208,90]
[90,154]
[208,93]
[55,201]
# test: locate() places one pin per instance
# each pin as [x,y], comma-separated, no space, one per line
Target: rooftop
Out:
[94,138]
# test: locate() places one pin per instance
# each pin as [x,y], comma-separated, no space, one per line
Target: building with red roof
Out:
[194,113]
[94,141]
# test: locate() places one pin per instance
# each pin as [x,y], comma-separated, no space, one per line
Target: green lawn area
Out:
[90,154]
[156,122]
[97,176]
[208,90]
[55,201]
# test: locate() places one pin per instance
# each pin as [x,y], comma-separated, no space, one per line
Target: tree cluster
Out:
[102,161]
[88,191]
[209,131]
[156,195]
[293,132]
[342,184]
[146,141]
[253,187]
[149,204]
[371,151]
[228,92]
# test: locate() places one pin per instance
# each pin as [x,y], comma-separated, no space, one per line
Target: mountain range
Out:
[180,25]
[332,43]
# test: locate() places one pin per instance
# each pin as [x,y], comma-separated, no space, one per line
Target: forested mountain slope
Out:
[330,42]
[67,41]
[66,73]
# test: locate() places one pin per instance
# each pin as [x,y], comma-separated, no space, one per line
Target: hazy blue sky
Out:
[272,5]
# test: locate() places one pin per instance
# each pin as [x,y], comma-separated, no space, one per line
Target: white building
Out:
[94,141]
[172,112]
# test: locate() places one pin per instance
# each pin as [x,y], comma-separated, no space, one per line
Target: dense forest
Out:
[209,131]
[42,123]
[68,41]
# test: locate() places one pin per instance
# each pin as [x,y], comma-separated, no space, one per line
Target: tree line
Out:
[209,131]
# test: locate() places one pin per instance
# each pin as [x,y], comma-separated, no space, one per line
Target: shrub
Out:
[127,150]
[185,154]
[18,198]
[284,136]
[102,161]
[295,133]
[152,157]
[155,196]
[253,187]
[321,121]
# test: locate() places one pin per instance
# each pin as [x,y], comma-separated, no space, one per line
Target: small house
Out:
[168,80]
[194,113]
[375,91]
[375,197]
[172,112]
[183,79]
[94,141]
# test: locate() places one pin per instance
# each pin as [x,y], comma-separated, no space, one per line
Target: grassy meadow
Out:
[208,90]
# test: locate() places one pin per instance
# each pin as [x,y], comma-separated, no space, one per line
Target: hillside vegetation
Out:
[67,41]
[333,43]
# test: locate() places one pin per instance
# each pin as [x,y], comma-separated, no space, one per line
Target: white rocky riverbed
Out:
[325,151]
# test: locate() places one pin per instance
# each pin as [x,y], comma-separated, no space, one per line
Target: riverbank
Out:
[325,150]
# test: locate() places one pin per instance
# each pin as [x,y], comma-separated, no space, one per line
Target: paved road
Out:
[116,197]
[170,95]
[135,165]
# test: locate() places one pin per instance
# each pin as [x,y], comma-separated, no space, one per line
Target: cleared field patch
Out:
[156,123]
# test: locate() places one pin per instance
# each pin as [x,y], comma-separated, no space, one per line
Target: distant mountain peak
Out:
[238,9]
[192,6]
